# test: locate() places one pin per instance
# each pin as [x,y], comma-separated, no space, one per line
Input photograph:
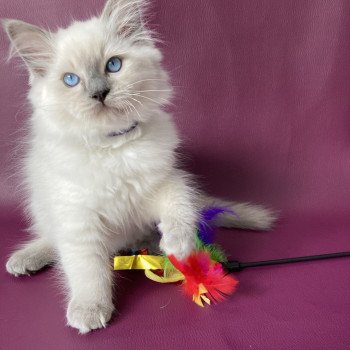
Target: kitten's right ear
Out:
[31,43]
[124,16]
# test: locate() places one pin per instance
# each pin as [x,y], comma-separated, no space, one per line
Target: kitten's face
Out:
[104,71]
[114,75]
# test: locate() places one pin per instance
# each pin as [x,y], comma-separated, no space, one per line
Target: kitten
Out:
[101,170]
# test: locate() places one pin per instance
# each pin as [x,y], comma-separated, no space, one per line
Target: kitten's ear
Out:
[124,16]
[31,43]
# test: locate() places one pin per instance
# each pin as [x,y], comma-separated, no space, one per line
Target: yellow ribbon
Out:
[148,263]
[139,262]
[155,262]
[172,277]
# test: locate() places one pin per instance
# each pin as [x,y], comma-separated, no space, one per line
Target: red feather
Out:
[199,270]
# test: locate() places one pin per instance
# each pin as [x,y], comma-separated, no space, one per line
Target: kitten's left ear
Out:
[31,43]
[124,16]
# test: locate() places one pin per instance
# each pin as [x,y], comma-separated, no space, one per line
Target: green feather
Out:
[215,251]
[168,267]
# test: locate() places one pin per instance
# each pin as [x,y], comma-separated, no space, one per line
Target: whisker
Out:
[135,108]
[136,100]
[154,90]
[141,81]
[151,99]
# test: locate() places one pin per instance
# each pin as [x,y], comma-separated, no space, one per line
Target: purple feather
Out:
[206,228]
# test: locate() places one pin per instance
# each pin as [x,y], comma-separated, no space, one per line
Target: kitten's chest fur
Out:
[125,179]
[116,184]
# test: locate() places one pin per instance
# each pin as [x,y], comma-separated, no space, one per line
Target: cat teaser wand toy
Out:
[204,274]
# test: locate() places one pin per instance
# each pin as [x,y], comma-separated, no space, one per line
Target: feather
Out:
[206,229]
[215,251]
[205,279]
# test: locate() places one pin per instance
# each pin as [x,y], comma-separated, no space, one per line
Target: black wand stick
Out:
[236,266]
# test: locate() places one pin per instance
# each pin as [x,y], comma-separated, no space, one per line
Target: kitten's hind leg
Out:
[32,257]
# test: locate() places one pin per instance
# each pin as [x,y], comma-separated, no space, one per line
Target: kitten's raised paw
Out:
[21,263]
[86,316]
[176,244]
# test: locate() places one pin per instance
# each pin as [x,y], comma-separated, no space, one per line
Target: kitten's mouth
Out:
[123,131]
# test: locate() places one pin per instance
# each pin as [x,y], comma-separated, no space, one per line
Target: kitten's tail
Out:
[248,216]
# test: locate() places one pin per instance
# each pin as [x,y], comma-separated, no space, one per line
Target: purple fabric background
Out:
[263,104]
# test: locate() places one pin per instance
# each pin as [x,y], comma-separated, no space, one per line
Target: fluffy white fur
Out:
[89,194]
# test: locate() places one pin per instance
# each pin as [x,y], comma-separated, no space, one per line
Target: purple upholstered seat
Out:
[263,104]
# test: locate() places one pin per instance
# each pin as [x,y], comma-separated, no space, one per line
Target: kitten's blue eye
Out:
[114,65]
[71,79]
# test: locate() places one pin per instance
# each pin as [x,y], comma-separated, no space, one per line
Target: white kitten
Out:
[101,171]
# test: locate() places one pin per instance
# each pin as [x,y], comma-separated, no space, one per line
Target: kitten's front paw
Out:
[180,245]
[22,263]
[86,316]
